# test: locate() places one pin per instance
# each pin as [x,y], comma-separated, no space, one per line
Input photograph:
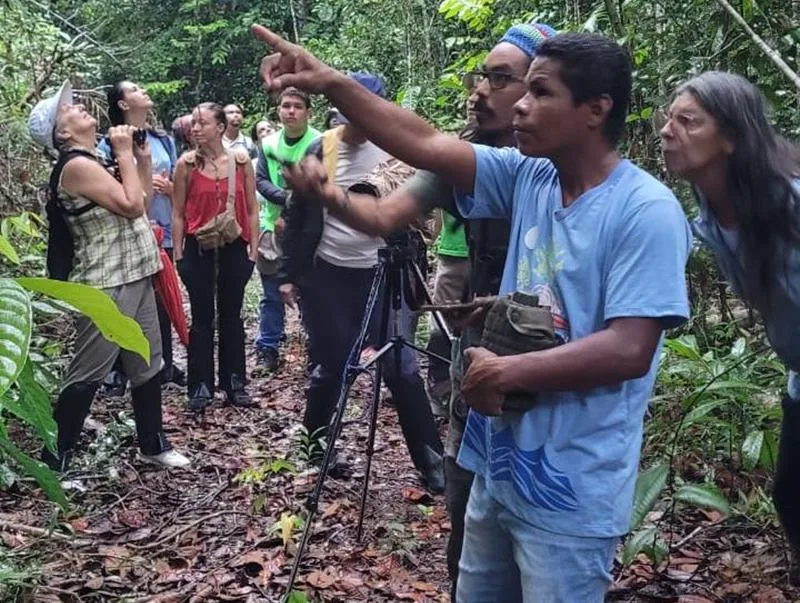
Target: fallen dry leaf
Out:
[132,519]
[416,496]
[321,580]
[80,524]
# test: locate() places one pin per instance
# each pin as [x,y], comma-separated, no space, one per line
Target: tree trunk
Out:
[615,18]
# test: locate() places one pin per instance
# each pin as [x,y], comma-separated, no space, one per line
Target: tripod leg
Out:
[373,427]
[391,287]
[351,371]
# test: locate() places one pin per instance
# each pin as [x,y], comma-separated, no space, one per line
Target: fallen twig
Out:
[185,529]
[34,531]
[686,539]
[62,591]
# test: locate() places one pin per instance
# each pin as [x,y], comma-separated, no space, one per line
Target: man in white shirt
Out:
[332,265]
[233,137]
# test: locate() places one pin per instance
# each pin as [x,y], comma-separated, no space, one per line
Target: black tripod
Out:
[396,263]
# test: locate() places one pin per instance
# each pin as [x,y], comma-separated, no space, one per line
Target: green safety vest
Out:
[275,144]
[452,240]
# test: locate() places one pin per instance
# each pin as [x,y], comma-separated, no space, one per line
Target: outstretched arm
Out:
[400,133]
[373,216]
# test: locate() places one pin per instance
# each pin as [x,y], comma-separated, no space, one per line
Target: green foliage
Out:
[704,496]
[97,305]
[649,485]
[297,596]
[16,321]
[308,446]
[645,541]
[473,13]
[23,379]
[258,475]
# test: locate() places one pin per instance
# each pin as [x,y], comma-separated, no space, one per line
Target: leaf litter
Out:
[208,534]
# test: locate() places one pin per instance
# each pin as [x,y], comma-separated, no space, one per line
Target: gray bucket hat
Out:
[42,120]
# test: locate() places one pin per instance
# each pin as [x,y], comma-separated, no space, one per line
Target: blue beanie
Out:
[371,82]
[528,36]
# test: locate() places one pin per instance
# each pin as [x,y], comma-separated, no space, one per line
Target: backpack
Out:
[60,244]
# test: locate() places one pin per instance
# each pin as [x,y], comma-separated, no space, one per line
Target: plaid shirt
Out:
[110,250]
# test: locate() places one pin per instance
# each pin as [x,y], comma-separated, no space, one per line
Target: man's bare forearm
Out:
[403,134]
[376,217]
[603,359]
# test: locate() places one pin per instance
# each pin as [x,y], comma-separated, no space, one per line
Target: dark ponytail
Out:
[115,94]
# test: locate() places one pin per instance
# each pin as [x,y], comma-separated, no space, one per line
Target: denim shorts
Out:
[507,560]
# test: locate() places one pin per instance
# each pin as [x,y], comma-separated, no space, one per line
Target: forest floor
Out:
[226,528]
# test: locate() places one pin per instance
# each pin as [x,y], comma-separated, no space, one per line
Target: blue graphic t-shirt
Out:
[160,210]
[569,464]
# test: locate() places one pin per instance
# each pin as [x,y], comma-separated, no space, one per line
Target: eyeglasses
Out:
[687,123]
[497,79]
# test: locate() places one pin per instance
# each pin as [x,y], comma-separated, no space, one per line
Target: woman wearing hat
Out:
[115,251]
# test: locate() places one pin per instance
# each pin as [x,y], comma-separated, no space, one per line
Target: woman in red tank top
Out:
[218,275]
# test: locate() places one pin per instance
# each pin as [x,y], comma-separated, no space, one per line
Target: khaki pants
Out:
[451,276]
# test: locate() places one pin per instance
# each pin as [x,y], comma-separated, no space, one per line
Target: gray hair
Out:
[760,177]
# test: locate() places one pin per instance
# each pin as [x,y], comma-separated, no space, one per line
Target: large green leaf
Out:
[7,250]
[16,318]
[98,306]
[685,347]
[32,405]
[43,475]
[705,496]
[645,541]
[751,449]
[769,451]
[700,411]
[649,486]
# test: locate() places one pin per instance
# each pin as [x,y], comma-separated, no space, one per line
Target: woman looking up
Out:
[129,104]
[717,135]
[201,185]
[114,250]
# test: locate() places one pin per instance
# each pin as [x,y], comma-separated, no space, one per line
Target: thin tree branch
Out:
[773,54]
[78,29]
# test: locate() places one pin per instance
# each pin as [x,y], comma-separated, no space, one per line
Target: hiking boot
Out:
[200,398]
[433,471]
[338,468]
[236,394]
[60,463]
[268,358]
[168,458]
[172,374]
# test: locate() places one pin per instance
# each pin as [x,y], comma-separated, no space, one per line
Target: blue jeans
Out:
[506,560]
[272,316]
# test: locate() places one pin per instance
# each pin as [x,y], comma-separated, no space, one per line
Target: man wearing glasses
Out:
[604,246]
[494,89]
[477,248]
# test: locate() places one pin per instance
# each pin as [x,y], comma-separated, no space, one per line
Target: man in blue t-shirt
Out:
[604,245]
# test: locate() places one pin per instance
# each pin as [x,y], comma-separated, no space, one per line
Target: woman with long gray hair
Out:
[717,135]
